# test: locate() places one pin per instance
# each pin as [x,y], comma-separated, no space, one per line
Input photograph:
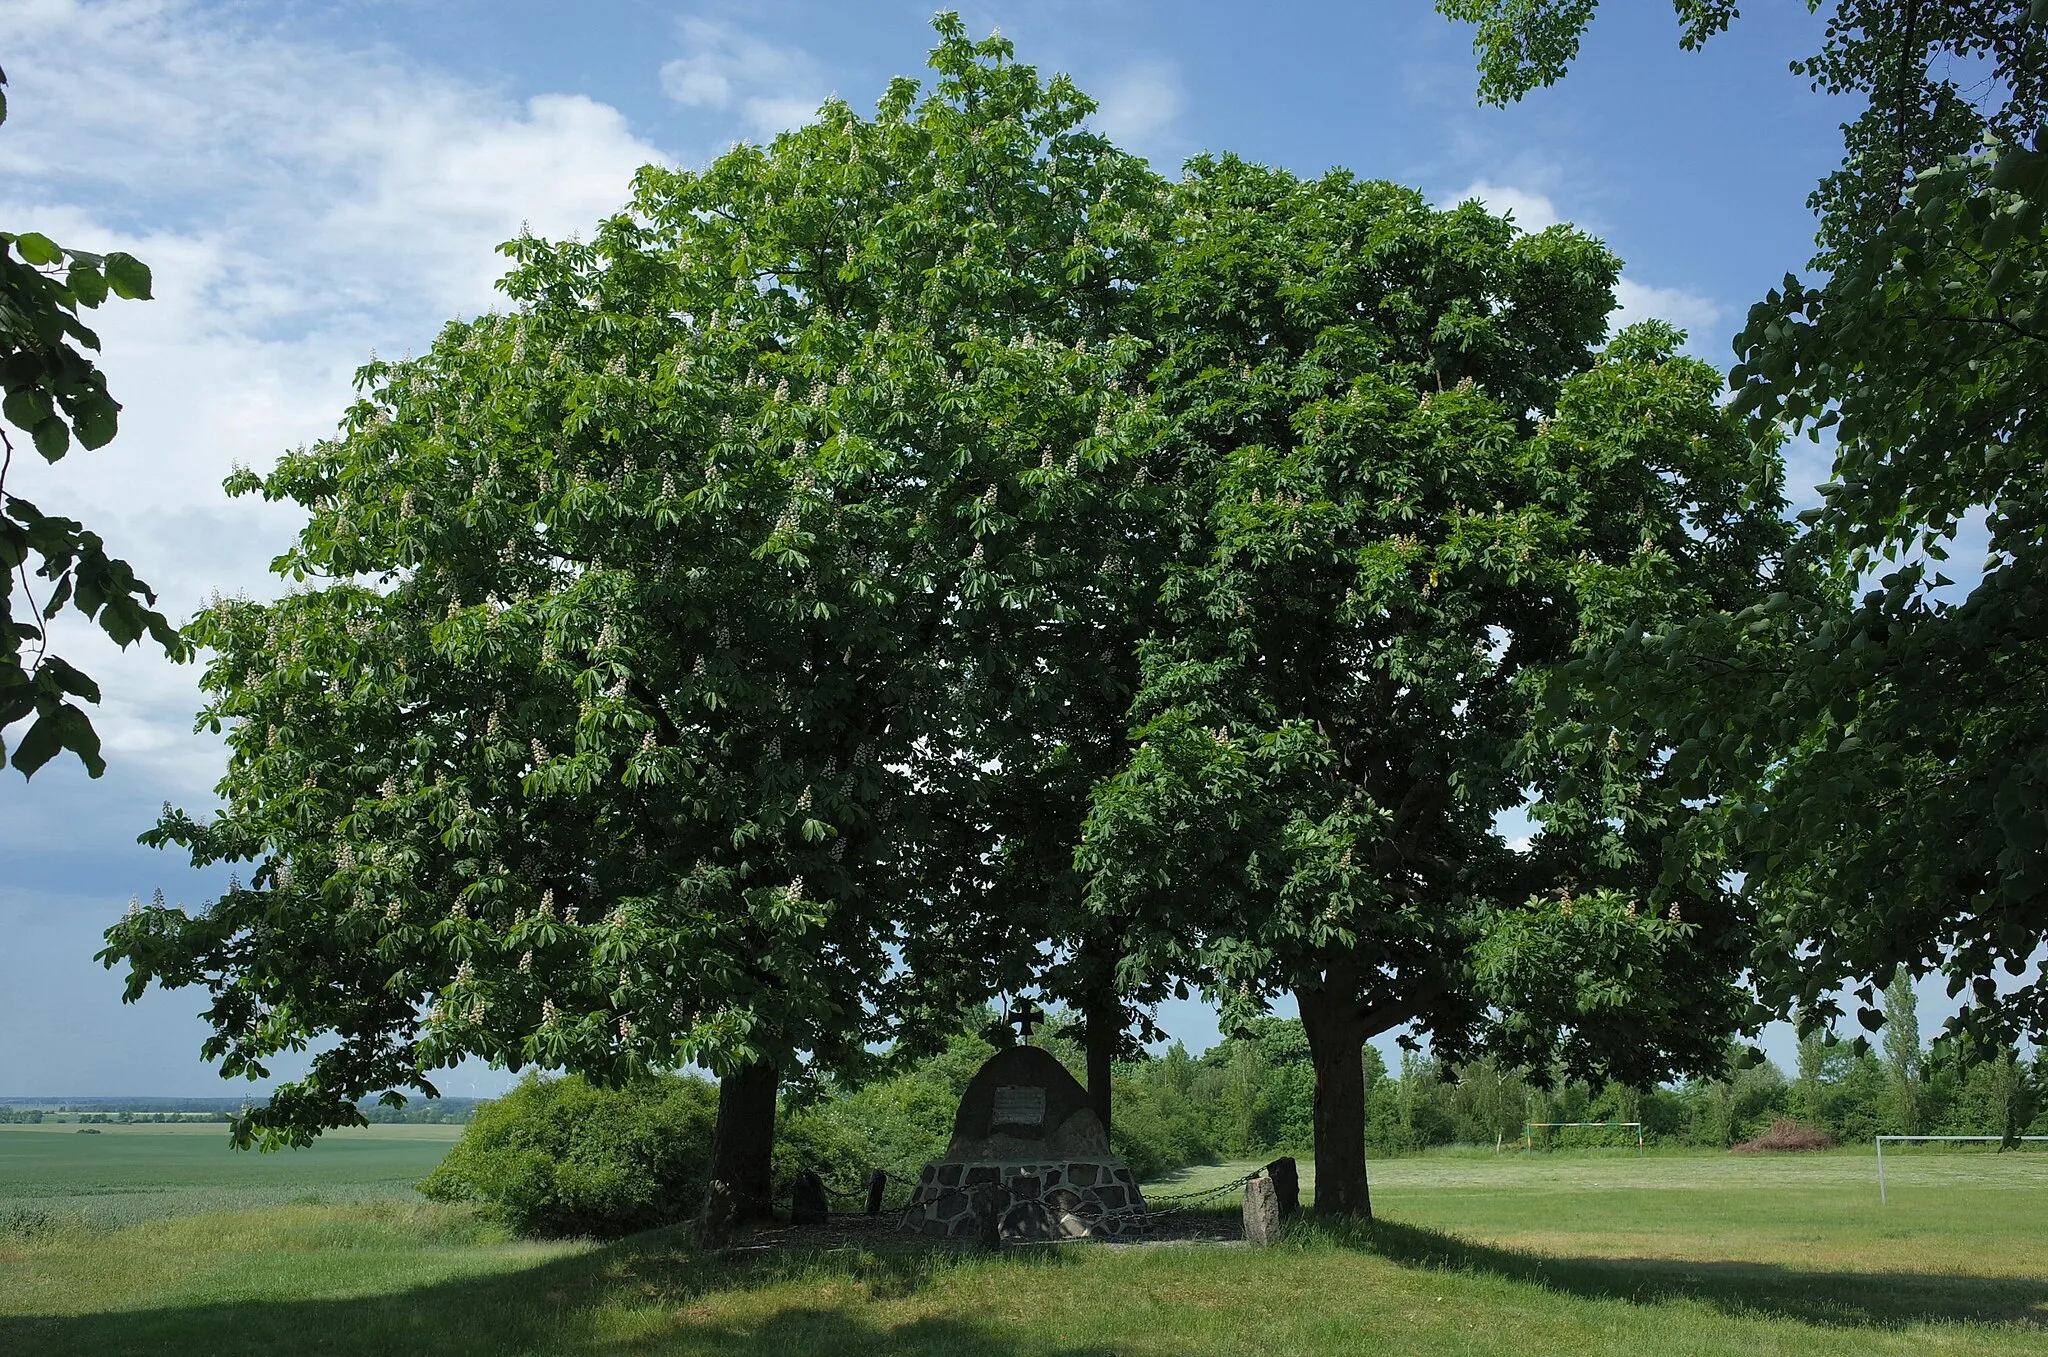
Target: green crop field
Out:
[1569,1253]
[117,1175]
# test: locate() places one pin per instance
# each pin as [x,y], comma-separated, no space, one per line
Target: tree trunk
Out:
[743,1145]
[1336,1040]
[1103,1015]
[1105,1033]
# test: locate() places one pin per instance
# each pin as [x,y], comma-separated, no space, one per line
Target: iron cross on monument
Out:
[1025,1016]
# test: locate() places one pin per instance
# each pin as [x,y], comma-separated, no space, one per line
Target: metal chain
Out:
[1159,1204]
[1187,1200]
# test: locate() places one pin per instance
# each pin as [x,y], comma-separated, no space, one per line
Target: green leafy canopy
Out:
[628,692]
[1871,739]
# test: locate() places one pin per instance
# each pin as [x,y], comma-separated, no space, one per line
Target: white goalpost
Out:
[1530,1128]
[1881,1200]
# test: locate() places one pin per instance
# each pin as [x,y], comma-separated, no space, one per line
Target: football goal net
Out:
[1530,1128]
[1996,1140]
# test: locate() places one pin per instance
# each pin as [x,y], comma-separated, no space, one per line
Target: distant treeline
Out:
[427,1112]
[115,1111]
[156,1111]
[1254,1094]
[126,1118]
[16,1108]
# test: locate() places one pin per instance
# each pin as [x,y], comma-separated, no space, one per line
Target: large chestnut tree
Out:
[1411,487]
[647,640]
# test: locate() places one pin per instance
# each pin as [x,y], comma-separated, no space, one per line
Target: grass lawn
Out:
[1668,1254]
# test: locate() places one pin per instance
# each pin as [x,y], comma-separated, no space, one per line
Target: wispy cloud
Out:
[1141,103]
[1634,300]
[301,205]
[1689,311]
[770,88]
[1531,211]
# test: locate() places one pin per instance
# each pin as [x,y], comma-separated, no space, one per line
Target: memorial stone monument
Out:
[1029,1150]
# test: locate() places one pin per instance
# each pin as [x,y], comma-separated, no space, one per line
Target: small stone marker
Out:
[1287,1182]
[878,1183]
[1261,1212]
[720,1214]
[807,1204]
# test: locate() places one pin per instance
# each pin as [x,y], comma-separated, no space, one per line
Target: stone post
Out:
[807,1204]
[878,1183]
[1261,1212]
[722,1211]
[1287,1182]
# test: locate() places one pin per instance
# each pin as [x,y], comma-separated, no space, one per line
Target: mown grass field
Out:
[1668,1254]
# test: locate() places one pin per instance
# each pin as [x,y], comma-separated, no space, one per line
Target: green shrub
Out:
[1160,1118]
[897,1124]
[558,1157]
[821,1139]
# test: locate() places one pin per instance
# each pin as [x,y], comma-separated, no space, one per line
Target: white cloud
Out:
[1634,301]
[1140,103]
[771,88]
[301,206]
[1531,211]
[1687,310]
[768,116]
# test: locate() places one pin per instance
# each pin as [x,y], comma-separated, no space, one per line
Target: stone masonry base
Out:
[1035,1200]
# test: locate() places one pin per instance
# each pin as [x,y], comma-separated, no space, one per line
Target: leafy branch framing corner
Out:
[53,392]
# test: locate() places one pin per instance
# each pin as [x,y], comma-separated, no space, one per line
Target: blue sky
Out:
[313,182]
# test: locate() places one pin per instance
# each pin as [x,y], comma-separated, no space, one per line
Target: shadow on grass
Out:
[650,1293]
[1834,1299]
[655,1293]
[1180,1177]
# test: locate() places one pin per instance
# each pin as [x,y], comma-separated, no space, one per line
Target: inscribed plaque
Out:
[1018,1105]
